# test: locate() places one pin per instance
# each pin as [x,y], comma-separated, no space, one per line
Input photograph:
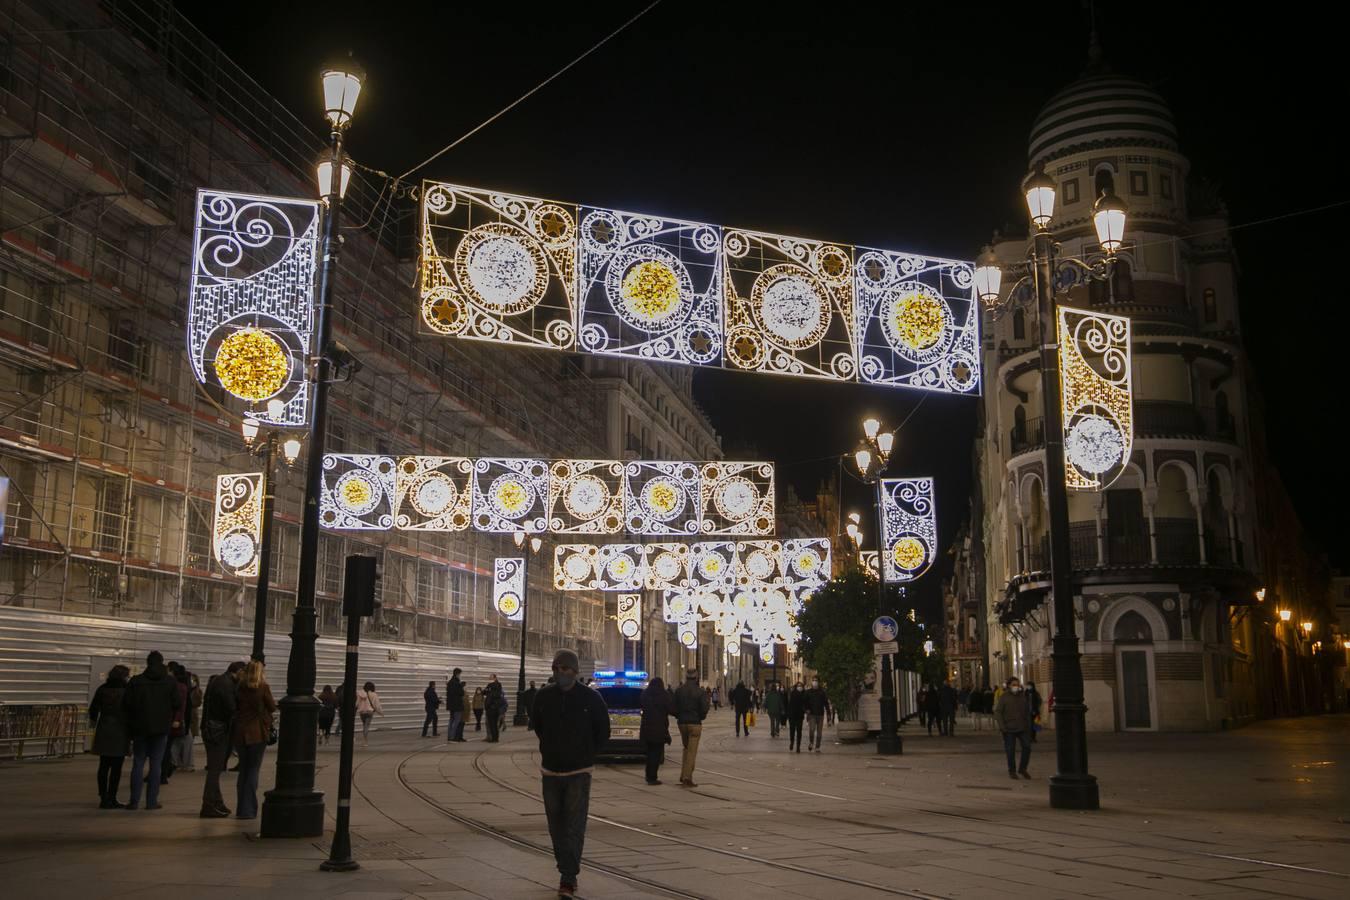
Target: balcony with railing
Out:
[1176,541]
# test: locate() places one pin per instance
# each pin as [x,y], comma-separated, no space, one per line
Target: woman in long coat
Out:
[111,737]
[657,707]
[252,734]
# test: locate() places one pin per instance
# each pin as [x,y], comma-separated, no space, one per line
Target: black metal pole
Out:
[520,718]
[264,550]
[888,737]
[293,808]
[1071,787]
[340,852]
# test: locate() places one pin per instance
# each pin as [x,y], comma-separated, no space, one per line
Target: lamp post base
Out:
[344,865]
[520,720]
[1074,792]
[890,745]
[292,815]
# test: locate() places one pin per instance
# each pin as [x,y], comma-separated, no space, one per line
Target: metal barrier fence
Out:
[37,730]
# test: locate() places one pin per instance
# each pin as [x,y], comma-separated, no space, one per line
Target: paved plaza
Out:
[1260,812]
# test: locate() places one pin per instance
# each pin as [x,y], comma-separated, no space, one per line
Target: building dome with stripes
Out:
[1101,109]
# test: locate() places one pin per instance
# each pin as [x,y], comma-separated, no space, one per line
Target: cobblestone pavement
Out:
[1260,812]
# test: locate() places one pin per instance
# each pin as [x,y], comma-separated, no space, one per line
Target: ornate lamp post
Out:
[293,808]
[522,716]
[1071,787]
[290,448]
[872,457]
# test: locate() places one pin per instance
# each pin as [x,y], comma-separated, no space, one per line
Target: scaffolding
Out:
[111,116]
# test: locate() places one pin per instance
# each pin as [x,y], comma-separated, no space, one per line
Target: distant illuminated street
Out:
[462,821]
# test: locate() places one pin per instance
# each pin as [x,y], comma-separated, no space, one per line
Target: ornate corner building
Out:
[1167,561]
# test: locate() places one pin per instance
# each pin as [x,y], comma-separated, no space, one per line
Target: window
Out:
[1133,627]
[1019,325]
[1069,191]
[1211,306]
[1104,181]
[1165,186]
[1122,282]
[1138,182]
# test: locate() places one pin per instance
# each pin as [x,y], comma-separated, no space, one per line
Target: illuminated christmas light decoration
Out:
[687,631]
[919,322]
[662,498]
[358,492]
[237,527]
[251,301]
[1097,396]
[759,562]
[513,269]
[713,564]
[666,565]
[909,528]
[510,495]
[498,267]
[736,498]
[585,496]
[630,616]
[733,648]
[432,493]
[508,586]
[678,605]
[649,288]
[870,561]
[766,654]
[807,560]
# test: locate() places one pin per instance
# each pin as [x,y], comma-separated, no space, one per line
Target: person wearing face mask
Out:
[1012,714]
[816,704]
[796,712]
[571,722]
[494,701]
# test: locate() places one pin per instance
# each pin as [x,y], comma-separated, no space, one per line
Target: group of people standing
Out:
[937,706]
[165,708]
[489,703]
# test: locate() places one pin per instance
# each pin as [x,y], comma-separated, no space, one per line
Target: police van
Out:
[622,693]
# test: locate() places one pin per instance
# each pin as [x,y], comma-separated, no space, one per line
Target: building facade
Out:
[1167,560]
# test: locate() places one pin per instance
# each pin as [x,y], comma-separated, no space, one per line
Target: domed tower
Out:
[1163,554]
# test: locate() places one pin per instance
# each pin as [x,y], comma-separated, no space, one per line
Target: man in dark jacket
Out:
[741,698]
[222,697]
[1012,715]
[527,703]
[494,705]
[153,706]
[816,704]
[572,723]
[796,713]
[947,709]
[658,705]
[691,708]
[454,704]
[432,701]
[775,707]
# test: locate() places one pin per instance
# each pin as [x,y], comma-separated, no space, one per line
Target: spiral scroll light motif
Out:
[237,526]
[508,587]
[909,528]
[1096,399]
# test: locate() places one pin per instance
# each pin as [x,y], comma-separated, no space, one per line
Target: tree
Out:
[842,661]
[836,636]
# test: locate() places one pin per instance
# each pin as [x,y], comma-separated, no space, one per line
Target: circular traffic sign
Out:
[885,628]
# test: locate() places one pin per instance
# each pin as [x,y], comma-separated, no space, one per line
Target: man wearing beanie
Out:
[691,708]
[572,723]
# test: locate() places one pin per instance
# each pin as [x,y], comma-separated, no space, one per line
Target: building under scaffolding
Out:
[112,114]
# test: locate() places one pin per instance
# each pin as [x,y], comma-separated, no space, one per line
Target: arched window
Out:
[1211,306]
[1019,325]
[1132,627]
[1105,181]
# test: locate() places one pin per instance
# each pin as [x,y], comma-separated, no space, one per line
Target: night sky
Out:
[903,128]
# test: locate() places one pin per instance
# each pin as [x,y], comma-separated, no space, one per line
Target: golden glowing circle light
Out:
[252,364]
[908,554]
[919,320]
[651,291]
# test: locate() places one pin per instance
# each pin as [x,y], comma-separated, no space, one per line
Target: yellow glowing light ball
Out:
[251,364]
[355,493]
[919,320]
[508,604]
[663,498]
[908,554]
[511,496]
[622,567]
[807,562]
[651,290]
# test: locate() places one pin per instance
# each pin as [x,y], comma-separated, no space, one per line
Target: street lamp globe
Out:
[855,518]
[341,88]
[250,431]
[870,428]
[290,448]
[324,168]
[1286,615]
[988,277]
[535,544]
[885,441]
[519,538]
[1108,214]
[1307,627]
[852,531]
[276,408]
[1040,190]
[863,457]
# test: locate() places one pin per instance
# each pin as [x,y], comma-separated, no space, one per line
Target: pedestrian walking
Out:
[658,705]
[775,705]
[493,701]
[367,706]
[152,707]
[327,712]
[946,709]
[432,701]
[111,737]
[1034,703]
[796,712]
[1012,714]
[740,706]
[252,733]
[180,736]
[816,704]
[527,703]
[716,698]
[759,700]
[932,709]
[218,709]
[691,708]
[921,705]
[478,701]
[571,722]
[454,705]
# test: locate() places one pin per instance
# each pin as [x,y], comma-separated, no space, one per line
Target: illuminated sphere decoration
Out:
[629,628]
[807,563]
[667,566]
[735,498]
[252,364]
[917,321]
[711,566]
[791,307]
[688,637]
[662,498]
[733,648]
[511,497]
[508,604]
[621,567]
[502,267]
[433,494]
[586,496]
[357,493]
[1094,444]
[651,291]
[577,567]
[908,554]
[237,550]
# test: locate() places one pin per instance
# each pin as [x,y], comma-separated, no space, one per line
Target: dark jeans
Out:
[656,753]
[432,719]
[217,758]
[246,794]
[109,776]
[949,720]
[494,718]
[794,734]
[774,724]
[1011,738]
[566,801]
[742,721]
[142,749]
[454,730]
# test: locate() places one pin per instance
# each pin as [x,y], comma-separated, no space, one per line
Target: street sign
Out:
[883,647]
[885,628]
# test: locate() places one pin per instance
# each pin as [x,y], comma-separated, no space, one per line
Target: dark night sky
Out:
[903,128]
